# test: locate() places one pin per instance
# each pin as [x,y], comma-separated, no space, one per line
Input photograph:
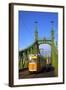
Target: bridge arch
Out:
[45,50]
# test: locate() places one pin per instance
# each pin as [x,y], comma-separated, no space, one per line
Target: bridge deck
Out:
[43,73]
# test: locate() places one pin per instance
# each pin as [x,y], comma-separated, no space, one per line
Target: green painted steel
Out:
[34,49]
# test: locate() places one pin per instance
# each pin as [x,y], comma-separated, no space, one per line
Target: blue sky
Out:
[27,26]
[45,50]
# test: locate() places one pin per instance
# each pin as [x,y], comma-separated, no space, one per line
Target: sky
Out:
[45,50]
[26,26]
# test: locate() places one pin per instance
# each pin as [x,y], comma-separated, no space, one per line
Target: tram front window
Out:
[32,61]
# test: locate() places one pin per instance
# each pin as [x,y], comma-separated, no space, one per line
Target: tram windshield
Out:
[32,58]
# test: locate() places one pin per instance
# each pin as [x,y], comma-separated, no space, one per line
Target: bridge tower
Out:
[36,46]
[52,41]
[52,31]
[54,55]
[36,31]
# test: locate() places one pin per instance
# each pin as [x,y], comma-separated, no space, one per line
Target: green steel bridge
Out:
[34,49]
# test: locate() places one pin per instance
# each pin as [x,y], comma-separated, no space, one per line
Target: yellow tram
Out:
[36,62]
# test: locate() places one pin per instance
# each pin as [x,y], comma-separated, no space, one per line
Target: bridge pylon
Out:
[36,31]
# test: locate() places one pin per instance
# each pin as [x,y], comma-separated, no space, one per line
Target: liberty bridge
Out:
[34,49]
